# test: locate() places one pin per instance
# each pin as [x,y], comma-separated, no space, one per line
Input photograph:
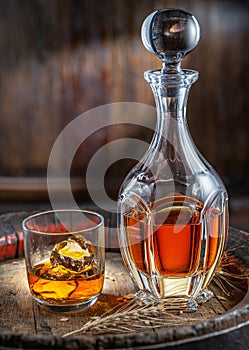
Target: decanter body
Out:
[173,217]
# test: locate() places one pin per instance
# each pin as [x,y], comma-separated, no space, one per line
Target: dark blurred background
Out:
[59,58]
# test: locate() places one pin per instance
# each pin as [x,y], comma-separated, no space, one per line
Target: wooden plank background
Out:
[63,57]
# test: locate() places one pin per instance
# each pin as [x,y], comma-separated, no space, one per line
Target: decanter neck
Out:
[171,94]
[171,91]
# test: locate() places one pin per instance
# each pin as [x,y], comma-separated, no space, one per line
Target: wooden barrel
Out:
[221,323]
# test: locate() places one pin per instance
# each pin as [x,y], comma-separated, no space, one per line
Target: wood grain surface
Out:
[22,315]
[23,324]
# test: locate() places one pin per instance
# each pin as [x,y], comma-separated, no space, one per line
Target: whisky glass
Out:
[65,258]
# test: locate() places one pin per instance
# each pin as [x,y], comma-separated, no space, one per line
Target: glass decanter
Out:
[173,216]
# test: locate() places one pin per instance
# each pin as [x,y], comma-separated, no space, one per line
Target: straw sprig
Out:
[132,316]
[228,281]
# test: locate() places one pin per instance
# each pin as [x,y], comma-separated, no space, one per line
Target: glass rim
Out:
[43,213]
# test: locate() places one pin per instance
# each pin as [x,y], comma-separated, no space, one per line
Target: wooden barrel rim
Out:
[214,327]
[163,336]
[235,319]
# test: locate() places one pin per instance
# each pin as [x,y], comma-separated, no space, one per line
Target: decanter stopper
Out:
[170,34]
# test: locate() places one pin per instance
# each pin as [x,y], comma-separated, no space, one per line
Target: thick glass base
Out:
[175,303]
[66,307]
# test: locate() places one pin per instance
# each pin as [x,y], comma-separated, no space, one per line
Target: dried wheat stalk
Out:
[225,279]
[132,316]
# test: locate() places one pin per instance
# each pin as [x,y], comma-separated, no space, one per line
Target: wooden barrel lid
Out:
[222,322]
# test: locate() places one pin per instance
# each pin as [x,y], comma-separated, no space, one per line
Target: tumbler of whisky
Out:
[65,258]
